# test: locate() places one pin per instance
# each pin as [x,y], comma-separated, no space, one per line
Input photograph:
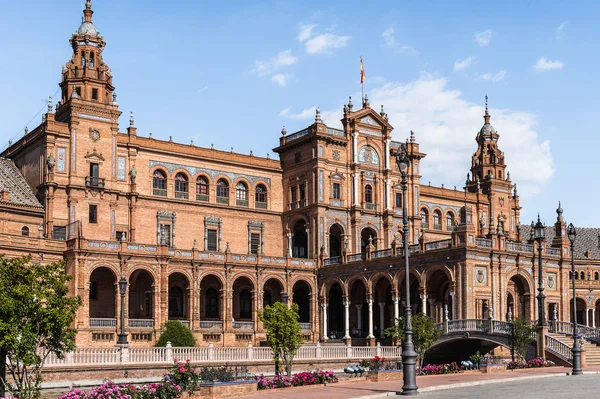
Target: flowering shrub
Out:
[297,380]
[533,363]
[448,368]
[183,375]
[380,363]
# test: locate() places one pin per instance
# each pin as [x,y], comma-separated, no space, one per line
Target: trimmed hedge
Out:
[177,334]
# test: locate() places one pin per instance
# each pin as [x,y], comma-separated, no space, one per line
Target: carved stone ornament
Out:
[51,162]
[94,134]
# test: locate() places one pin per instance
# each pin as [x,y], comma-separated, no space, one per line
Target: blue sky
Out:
[233,73]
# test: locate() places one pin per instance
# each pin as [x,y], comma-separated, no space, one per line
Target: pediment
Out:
[369,117]
[94,155]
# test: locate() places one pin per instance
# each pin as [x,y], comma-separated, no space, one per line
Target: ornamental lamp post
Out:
[539,235]
[122,340]
[576,349]
[409,356]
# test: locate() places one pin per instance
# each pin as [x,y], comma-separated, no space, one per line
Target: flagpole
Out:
[362,83]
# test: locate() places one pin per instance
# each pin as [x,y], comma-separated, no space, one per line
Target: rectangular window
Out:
[94,94]
[336,191]
[78,90]
[294,195]
[398,200]
[165,234]
[93,214]
[93,291]
[302,192]
[121,236]
[254,243]
[59,233]
[211,240]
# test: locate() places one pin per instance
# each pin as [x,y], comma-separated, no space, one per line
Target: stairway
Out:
[592,351]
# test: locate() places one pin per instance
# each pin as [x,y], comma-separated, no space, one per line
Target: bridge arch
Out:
[519,297]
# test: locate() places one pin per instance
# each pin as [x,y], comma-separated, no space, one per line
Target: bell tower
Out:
[488,160]
[85,76]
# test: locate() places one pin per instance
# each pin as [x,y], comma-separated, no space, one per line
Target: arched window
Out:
[261,197]
[245,304]
[437,220]
[241,194]
[159,183]
[212,303]
[576,275]
[596,276]
[201,189]
[82,58]
[181,186]
[582,276]
[424,218]
[92,60]
[449,221]
[222,192]
[25,232]
[368,194]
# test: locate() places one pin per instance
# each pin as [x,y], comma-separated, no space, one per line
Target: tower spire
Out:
[87,13]
[486,117]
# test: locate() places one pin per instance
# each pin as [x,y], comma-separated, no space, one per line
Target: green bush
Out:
[177,334]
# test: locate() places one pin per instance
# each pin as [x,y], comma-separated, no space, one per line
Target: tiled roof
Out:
[20,191]
[586,240]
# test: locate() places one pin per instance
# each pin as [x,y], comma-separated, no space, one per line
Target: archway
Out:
[210,300]
[178,297]
[581,310]
[520,293]
[335,241]
[301,297]
[103,294]
[367,236]
[242,299]
[359,310]
[438,296]
[510,306]
[300,240]
[383,307]
[141,295]
[416,304]
[335,312]
[272,292]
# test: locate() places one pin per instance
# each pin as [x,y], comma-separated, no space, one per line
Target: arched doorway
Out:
[178,297]
[272,292]
[301,297]
[242,299]
[359,310]
[141,295]
[383,307]
[335,312]
[210,302]
[335,241]
[581,310]
[300,240]
[518,288]
[416,304]
[367,236]
[438,296]
[102,295]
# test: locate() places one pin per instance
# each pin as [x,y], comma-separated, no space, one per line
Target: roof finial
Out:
[283,131]
[88,5]
[318,115]
[486,117]
[486,104]
[87,13]
[131,121]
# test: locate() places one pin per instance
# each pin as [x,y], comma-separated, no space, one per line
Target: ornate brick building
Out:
[209,237]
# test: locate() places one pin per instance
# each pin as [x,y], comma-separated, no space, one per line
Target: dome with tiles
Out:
[87,28]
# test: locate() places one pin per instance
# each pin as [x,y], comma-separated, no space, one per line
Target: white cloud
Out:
[446,125]
[388,37]
[560,30]
[483,38]
[330,118]
[306,32]
[546,65]
[494,77]
[324,42]
[462,65]
[281,78]
[304,114]
[267,67]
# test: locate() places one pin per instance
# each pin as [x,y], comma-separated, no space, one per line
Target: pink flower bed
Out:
[297,380]
[533,363]
[448,368]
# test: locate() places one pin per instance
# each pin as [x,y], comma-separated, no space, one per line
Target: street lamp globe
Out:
[572,233]
[402,159]
[122,285]
[538,230]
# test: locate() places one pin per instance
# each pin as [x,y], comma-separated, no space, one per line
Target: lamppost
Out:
[409,356]
[576,349]
[122,340]
[538,231]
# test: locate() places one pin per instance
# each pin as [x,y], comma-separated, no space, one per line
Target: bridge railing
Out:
[559,349]
[488,326]
[563,327]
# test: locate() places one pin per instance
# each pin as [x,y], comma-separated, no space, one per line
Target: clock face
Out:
[94,135]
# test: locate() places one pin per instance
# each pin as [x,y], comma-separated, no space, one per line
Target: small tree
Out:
[425,333]
[177,334]
[36,315]
[283,333]
[520,337]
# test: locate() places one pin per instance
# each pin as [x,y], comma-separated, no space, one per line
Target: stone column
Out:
[370,303]
[424,303]
[593,318]
[347,317]
[381,318]
[587,317]
[359,316]
[325,336]
[432,309]
[396,310]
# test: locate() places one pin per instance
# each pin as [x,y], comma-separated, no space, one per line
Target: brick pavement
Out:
[364,389]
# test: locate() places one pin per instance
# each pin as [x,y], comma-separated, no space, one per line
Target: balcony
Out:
[243,325]
[241,202]
[336,260]
[370,206]
[159,192]
[94,182]
[181,195]
[183,322]
[437,226]
[202,197]
[102,322]
[141,323]
[261,205]
[306,326]
[211,325]
[223,200]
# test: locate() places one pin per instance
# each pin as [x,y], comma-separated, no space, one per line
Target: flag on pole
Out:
[362,72]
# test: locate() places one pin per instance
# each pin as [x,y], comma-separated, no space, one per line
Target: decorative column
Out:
[424,303]
[289,237]
[396,309]
[355,189]
[324,306]
[370,303]
[359,316]
[593,317]
[587,317]
[347,317]
[381,318]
